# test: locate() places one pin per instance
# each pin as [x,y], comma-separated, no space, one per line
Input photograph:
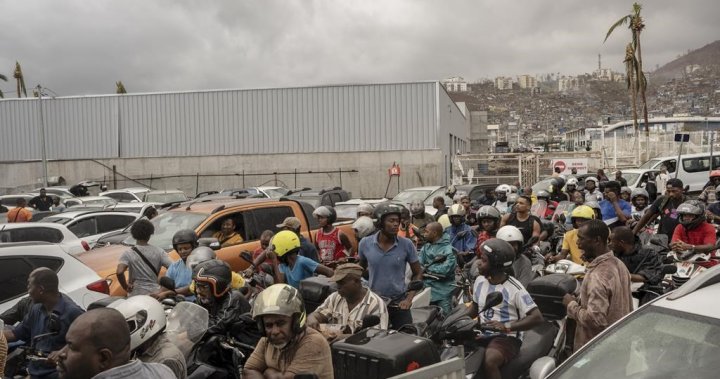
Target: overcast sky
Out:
[83,47]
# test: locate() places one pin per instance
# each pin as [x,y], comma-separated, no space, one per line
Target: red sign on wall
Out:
[394,170]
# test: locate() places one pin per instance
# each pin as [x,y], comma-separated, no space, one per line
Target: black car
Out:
[329,196]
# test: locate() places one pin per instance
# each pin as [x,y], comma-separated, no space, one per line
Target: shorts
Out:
[508,346]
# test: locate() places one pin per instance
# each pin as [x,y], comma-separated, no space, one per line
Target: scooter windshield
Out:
[186,325]
[538,209]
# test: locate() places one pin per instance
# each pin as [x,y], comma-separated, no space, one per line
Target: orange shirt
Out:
[19,215]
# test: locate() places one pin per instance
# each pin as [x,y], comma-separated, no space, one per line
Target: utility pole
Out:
[42,137]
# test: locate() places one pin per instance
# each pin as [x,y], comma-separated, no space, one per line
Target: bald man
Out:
[438,245]
[50,315]
[98,347]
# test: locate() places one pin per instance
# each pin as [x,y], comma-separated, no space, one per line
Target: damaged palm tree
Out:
[18,75]
[119,87]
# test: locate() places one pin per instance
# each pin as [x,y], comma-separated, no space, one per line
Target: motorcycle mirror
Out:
[668,269]
[492,299]
[369,321]
[246,256]
[168,283]
[416,285]
[169,301]
[209,242]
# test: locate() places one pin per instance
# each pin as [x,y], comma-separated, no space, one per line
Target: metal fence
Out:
[621,150]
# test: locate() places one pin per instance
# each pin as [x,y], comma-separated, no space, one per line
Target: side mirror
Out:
[168,283]
[492,299]
[668,269]
[209,242]
[246,256]
[542,367]
[417,285]
[369,321]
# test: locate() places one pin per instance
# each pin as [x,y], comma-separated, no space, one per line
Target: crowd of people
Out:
[395,244]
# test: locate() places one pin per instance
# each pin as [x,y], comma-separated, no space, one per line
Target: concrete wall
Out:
[418,168]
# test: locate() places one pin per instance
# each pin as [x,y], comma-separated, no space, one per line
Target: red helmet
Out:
[715,174]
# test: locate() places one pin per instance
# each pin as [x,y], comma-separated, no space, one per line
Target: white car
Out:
[90,201]
[127,195]
[43,232]
[10,201]
[348,209]
[62,192]
[18,260]
[635,177]
[425,195]
[167,196]
[90,226]
[674,336]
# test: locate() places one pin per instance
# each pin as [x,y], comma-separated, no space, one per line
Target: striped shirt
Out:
[515,306]
[335,309]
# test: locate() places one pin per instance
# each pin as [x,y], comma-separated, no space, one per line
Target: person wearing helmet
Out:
[625,193]
[438,247]
[516,313]
[605,294]
[363,227]
[511,200]
[418,216]
[707,196]
[528,224]
[288,347]
[595,206]
[571,186]
[405,226]
[213,289]
[184,241]
[522,266]
[332,244]
[545,196]
[143,261]
[307,249]
[147,320]
[364,209]
[580,215]
[489,218]
[444,220]
[501,194]
[615,210]
[228,235]
[639,200]
[385,256]
[202,254]
[713,210]
[460,234]
[287,265]
[666,207]
[592,193]
[556,190]
[693,233]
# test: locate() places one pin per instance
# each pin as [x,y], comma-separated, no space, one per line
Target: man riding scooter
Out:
[461,235]
[213,290]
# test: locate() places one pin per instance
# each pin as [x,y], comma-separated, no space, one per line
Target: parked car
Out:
[63,192]
[694,170]
[329,196]
[43,232]
[138,208]
[127,195]
[9,201]
[90,201]
[348,209]
[674,336]
[18,260]
[90,226]
[165,196]
[205,216]
[424,194]
[635,177]
[475,191]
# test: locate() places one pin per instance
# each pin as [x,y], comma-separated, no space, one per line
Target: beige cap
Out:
[290,222]
[346,269]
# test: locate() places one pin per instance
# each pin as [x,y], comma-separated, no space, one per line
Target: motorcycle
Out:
[18,360]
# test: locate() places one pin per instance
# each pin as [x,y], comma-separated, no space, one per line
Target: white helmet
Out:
[513,189]
[572,182]
[510,233]
[363,227]
[365,208]
[456,210]
[592,179]
[144,315]
[503,188]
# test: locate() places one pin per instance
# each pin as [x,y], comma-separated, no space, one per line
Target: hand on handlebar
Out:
[495,326]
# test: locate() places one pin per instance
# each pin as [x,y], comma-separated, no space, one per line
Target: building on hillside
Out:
[689,69]
[527,81]
[569,83]
[479,135]
[455,84]
[503,83]
[240,137]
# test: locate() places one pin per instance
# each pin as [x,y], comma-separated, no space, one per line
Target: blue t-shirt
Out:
[608,210]
[303,269]
[36,323]
[387,268]
[181,274]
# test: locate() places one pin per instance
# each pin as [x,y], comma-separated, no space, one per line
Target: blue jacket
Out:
[464,243]
[440,290]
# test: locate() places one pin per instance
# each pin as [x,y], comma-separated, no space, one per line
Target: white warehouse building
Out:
[196,141]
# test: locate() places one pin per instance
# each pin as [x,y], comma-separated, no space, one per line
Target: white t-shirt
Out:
[515,306]
[501,206]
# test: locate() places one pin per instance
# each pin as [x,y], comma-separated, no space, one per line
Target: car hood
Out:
[104,262]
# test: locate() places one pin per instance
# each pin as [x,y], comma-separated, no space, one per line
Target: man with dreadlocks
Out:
[287,348]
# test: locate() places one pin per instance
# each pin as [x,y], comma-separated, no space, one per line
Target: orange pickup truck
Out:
[252,217]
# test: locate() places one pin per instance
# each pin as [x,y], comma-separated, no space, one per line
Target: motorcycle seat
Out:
[537,342]
[425,314]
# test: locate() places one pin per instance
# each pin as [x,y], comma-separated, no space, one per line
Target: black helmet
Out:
[384,209]
[500,254]
[542,194]
[185,236]
[488,212]
[327,212]
[216,273]
[693,207]
[557,184]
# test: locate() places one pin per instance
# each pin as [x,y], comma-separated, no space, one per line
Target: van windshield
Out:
[650,164]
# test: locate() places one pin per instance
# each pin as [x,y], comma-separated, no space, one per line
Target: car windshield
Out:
[276,193]
[630,177]
[410,196]
[167,224]
[654,343]
[438,192]
[164,197]
[100,202]
[346,210]
[57,220]
[650,164]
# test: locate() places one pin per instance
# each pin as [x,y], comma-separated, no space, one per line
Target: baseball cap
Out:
[290,222]
[345,269]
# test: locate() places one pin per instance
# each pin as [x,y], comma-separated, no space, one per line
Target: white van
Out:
[694,170]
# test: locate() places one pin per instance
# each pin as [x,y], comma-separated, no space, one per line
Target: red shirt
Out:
[257,253]
[329,247]
[704,234]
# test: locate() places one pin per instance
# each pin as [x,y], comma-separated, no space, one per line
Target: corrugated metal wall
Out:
[293,120]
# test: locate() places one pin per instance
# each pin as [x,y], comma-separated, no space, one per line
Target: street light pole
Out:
[42,137]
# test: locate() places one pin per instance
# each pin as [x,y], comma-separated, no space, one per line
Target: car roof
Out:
[75,214]
[361,201]
[154,192]
[426,188]
[22,225]
[91,198]
[136,204]
[694,155]
[18,195]
[203,205]
[636,170]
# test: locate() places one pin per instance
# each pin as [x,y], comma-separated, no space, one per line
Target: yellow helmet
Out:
[285,242]
[444,220]
[280,299]
[583,211]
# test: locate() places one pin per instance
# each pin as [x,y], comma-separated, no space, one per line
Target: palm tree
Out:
[636,25]
[632,85]
[18,75]
[120,88]
[3,78]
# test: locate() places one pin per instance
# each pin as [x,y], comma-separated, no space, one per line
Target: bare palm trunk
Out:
[643,89]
